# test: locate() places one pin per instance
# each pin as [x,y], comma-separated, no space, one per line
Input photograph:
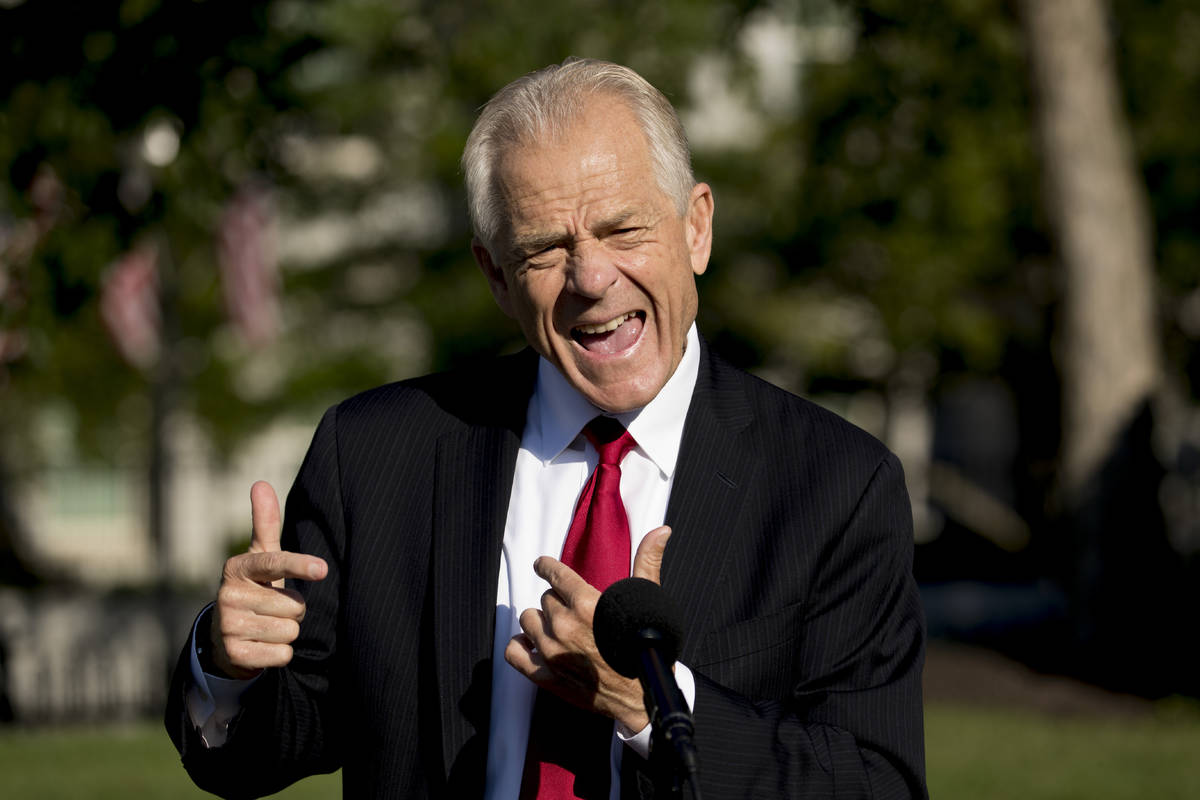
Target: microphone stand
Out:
[669,715]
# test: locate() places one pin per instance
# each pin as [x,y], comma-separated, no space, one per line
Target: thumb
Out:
[647,562]
[264,511]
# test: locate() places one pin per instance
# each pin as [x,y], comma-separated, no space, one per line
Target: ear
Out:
[698,223]
[497,281]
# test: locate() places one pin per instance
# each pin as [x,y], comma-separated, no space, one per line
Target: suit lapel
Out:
[473,472]
[473,478]
[714,474]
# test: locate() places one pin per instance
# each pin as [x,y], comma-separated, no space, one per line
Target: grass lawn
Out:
[972,753]
[127,761]
[991,754]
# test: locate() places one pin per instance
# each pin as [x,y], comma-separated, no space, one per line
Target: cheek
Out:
[635,261]
[535,299]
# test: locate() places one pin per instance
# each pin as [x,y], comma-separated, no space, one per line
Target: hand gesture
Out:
[255,619]
[557,651]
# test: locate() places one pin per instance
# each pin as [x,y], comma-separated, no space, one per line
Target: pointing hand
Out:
[556,649]
[255,619]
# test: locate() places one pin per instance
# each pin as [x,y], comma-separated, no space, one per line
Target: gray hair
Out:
[544,103]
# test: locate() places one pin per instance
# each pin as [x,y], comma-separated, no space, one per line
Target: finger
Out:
[525,659]
[535,626]
[527,643]
[266,601]
[252,627]
[564,580]
[264,512]
[552,603]
[269,567]
[647,562]
[247,655]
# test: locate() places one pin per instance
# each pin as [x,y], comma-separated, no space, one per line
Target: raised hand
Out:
[556,649]
[255,619]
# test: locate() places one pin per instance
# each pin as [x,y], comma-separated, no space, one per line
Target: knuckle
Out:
[233,626]
[268,563]
[290,604]
[283,656]
[228,596]
[292,595]
[238,651]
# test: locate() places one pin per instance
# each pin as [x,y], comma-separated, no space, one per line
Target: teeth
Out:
[605,327]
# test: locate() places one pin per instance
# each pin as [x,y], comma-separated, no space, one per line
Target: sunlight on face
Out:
[595,263]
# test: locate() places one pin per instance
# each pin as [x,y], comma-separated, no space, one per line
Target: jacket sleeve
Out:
[289,726]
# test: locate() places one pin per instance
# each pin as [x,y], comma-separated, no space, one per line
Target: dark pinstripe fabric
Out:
[791,559]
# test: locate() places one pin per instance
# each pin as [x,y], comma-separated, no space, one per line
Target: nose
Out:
[591,270]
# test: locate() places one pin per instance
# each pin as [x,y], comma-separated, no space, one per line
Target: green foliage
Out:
[356,113]
[80,87]
[885,212]
[1160,75]
[905,214]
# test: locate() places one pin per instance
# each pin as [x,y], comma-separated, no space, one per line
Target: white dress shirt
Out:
[553,464]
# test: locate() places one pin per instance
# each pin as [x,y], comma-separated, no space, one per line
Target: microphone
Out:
[637,631]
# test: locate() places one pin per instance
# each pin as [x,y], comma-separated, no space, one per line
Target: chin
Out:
[626,386]
[617,400]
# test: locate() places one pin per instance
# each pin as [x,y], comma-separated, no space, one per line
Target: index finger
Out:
[272,566]
[562,579]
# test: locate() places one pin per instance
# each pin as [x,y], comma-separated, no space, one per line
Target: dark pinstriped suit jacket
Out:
[791,560]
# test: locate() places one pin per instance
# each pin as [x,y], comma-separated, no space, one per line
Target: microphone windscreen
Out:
[630,612]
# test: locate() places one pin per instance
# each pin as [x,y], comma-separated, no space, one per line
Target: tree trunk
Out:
[1108,345]
[1125,580]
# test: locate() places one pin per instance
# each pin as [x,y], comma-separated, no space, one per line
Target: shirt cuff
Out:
[212,701]
[639,741]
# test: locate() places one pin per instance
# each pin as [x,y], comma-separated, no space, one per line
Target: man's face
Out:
[595,262]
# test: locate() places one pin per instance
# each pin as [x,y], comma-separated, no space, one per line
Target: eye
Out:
[626,236]
[542,257]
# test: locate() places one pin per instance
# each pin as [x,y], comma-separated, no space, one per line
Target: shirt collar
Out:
[558,412]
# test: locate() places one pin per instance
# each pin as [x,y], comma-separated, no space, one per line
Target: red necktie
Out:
[568,754]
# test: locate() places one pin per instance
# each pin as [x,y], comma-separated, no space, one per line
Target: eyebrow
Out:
[538,241]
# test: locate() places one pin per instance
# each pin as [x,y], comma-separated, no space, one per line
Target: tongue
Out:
[612,341]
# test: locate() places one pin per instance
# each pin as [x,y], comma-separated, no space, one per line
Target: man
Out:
[431,621]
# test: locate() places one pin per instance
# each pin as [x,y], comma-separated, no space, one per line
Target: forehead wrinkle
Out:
[587,190]
[597,191]
[599,164]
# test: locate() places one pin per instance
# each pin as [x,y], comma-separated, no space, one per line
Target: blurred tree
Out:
[882,240]
[904,247]
[1110,341]
[880,233]
[1128,581]
[354,112]
[129,128]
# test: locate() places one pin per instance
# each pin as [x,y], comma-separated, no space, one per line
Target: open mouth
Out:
[611,337]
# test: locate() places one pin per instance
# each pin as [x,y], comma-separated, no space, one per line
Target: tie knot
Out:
[610,439]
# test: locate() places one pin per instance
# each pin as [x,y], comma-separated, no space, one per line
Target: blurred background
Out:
[969,226]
